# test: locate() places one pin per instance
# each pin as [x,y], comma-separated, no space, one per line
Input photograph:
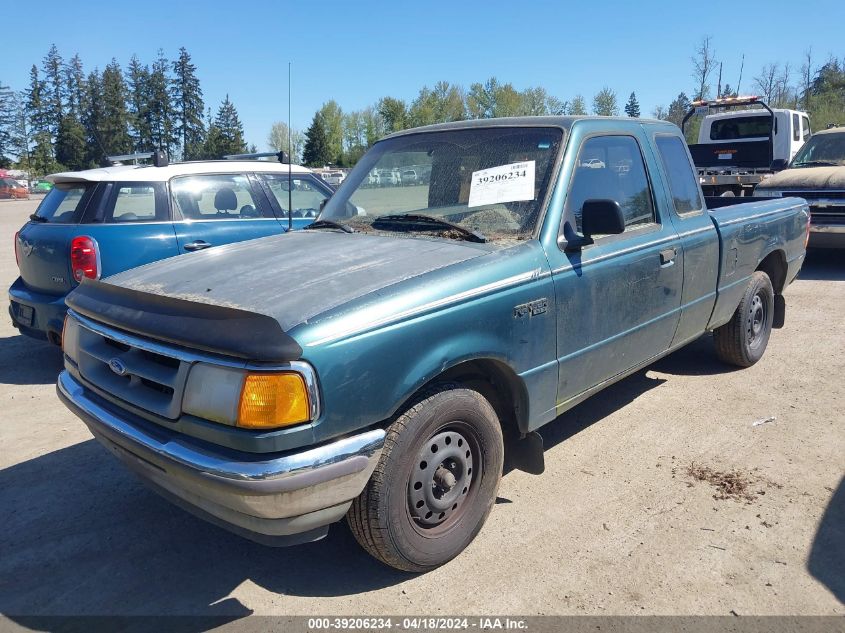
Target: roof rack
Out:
[159,158]
[282,157]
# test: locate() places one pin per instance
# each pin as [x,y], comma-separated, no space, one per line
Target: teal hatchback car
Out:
[100,222]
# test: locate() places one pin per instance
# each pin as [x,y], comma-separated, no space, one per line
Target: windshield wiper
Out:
[37,218]
[329,224]
[427,222]
[816,163]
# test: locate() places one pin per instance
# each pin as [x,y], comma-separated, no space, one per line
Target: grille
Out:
[142,377]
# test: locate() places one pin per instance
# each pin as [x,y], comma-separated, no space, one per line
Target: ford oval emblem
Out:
[117,366]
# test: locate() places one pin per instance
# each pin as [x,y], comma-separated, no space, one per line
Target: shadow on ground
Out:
[82,536]
[27,361]
[824,264]
[827,555]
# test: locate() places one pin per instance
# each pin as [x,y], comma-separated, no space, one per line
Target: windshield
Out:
[65,202]
[489,180]
[828,149]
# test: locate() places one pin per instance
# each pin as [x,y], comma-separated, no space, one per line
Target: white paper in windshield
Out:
[506,183]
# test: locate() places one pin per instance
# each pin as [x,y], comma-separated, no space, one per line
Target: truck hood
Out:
[806,178]
[296,276]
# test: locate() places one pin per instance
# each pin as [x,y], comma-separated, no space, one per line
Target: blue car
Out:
[99,222]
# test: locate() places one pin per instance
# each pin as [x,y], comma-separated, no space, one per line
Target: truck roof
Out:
[563,122]
[150,173]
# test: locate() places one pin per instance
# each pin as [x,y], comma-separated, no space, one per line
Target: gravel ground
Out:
[627,518]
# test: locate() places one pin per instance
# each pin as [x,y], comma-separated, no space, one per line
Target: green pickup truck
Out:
[384,363]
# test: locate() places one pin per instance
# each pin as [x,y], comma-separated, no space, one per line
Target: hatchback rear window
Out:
[65,202]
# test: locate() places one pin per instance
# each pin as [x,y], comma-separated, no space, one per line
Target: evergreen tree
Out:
[678,109]
[21,140]
[604,103]
[160,113]
[8,114]
[316,152]
[92,118]
[188,105]
[114,127]
[632,108]
[41,157]
[75,87]
[70,143]
[225,134]
[54,90]
[137,85]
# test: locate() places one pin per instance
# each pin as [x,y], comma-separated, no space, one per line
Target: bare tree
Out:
[807,76]
[703,64]
[766,82]
[660,112]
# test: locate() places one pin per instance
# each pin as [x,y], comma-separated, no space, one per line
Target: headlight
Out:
[251,399]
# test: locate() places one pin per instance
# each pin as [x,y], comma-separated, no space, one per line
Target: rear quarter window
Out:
[65,203]
[682,183]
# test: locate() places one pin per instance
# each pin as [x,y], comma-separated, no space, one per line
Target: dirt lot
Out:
[661,496]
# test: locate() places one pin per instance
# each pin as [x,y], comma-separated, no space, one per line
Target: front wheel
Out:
[743,339]
[435,483]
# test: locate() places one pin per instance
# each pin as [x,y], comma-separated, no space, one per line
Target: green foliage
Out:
[225,133]
[113,132]
[332,117]
[70,143]
[279,140]
[394,112]
[8,117]
[188,106]
[578,107]
[53,89]
[317,152]
[604,103]
[138,105]
[632,108]
[161,116]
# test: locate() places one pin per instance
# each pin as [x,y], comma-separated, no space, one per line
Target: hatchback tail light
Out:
[84,258]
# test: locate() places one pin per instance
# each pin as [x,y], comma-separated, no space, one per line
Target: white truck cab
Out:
[742,140]
[792,129]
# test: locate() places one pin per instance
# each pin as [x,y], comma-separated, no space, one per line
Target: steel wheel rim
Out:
[443,479]
[756,321]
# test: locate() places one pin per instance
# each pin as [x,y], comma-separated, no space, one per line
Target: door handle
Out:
[667,257]
[197,245]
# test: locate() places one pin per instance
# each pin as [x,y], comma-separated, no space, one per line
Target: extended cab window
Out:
[611,168]
[216,197]
[805,124]
[302,193]
[65,202]
[796,129]
[682,183]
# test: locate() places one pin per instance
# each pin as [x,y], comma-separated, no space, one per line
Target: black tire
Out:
[742,340]
[398,517]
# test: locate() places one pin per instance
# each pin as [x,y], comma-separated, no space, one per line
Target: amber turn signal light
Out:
[273,400]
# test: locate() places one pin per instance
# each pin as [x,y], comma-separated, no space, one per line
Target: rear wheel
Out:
[743,340]
[435,483]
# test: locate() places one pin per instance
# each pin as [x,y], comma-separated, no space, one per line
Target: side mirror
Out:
[779,164]
[602,217]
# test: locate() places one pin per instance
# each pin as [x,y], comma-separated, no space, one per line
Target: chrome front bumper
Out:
[265,497]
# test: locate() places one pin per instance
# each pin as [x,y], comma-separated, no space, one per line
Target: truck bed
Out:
[748,233]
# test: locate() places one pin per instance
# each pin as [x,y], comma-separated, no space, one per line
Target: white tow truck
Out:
[739,148]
